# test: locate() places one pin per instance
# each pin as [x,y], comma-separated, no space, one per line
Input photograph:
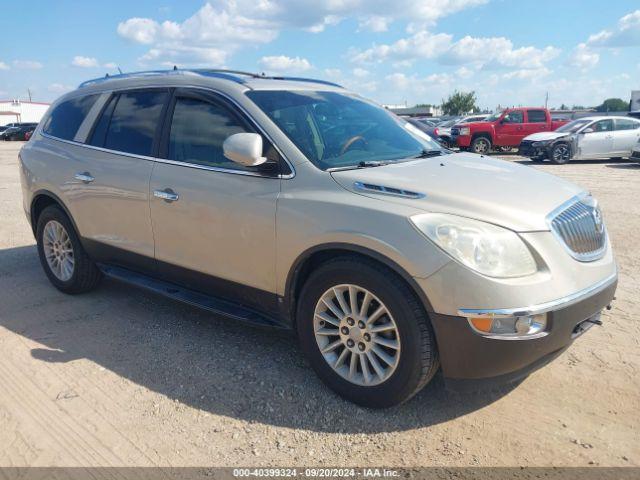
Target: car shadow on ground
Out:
[196,358]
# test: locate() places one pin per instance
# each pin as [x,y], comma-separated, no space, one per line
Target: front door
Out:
[511,129]
[597,143]
[213,220]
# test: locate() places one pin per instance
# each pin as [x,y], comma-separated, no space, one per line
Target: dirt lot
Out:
[123,377]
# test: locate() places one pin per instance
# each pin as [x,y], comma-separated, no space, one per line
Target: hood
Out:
[539,137]
[495,191]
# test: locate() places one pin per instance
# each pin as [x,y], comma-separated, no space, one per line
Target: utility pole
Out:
[29,92]
[546,101]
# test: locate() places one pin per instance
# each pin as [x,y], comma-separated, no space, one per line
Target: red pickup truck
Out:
[503,129]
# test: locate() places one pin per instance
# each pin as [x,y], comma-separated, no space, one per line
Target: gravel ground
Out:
[123,377]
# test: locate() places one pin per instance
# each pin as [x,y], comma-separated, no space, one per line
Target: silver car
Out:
[584,139]
[295,203]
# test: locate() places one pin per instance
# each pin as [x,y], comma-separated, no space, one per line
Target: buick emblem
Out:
[597,219]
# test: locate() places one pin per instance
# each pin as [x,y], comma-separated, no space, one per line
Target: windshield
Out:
[573,127]
[338,130]
[493,117]
[449,123]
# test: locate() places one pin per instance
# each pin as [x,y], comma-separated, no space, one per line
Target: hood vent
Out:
[383,190]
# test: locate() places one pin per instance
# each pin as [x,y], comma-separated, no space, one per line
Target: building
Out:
[12,111]
[427,111]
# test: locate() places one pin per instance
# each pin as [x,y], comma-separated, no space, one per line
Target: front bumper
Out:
[470,360]
[528,150]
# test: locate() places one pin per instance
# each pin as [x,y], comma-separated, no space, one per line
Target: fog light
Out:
[509,326]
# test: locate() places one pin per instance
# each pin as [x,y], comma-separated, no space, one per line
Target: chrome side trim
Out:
[541,307]
[382,190]
[191,165]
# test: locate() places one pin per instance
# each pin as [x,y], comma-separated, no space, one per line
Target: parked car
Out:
[585,138]
[3,128]
[504,129]
[295,203]
[16,133]
[635,155]
[28,134]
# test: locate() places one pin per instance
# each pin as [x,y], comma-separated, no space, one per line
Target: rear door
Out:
[536,122]
[510,130]
[110,199]
[213,220]
[625,135]
[599,142]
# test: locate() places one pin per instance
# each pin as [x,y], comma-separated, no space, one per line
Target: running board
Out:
[191,297]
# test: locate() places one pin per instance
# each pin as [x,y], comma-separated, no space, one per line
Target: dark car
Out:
[18,133]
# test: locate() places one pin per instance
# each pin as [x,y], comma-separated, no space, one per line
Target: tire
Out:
[560,153]
[481,145]
[83,275]
[416,355]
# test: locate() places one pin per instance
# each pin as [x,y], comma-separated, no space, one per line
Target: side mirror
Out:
[588,130]
[244,148]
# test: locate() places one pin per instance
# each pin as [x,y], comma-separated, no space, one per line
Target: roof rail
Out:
[310,80]
[232,75]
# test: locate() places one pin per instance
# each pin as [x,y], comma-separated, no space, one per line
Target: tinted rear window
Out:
[134,122]
[66,118]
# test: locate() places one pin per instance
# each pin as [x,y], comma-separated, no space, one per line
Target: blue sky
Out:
[511,52]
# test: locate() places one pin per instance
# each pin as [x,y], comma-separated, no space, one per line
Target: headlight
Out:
[465,131]
[540,144]
[483,247]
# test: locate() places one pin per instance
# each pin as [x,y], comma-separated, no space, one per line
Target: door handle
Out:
[167,195]
[84,177]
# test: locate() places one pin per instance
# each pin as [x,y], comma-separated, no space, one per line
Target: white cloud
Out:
[84,62]
[4,66]
[360,72]
[584,57]
[527,74]
[284,64]
[111,65]
[464,72]
[59,88]
[221,27]
[626,34]
[27,64]
[482,52]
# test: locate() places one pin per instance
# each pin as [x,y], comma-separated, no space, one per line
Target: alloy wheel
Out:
[561,153]
[58,250]
[356,335]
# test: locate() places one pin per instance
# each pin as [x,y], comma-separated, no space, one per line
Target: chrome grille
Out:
[580,228]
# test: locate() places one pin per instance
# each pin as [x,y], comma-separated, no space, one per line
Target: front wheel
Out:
[561,153]
[481,145]
[365,333]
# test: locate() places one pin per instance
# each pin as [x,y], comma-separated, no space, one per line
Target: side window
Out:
[198,129]
[100,129]
[627,124]
[537,116]
[134,122]
[603,126]
[66,118]
[515,116]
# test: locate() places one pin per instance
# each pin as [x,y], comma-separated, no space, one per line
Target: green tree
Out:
[460,103]
[613,105]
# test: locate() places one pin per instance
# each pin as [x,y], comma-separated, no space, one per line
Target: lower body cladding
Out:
[472,361]
[635,156]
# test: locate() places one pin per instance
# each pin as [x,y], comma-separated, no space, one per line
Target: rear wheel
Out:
[561,153]
[481,145]
[365,333]
[63,259]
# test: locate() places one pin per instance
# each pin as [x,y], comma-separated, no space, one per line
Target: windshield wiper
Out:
[430,153]
[363,164]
